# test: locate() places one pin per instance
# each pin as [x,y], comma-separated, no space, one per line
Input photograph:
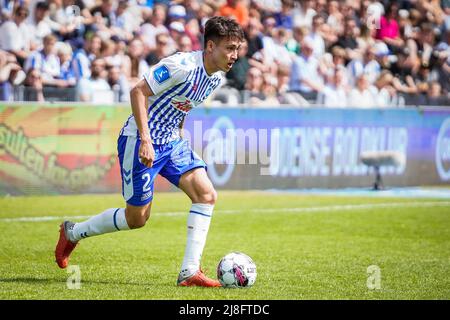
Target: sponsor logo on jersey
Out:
[184,106]
[146,196]
[161,74]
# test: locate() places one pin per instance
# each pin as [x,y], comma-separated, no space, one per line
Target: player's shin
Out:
[197,230]
[110,220]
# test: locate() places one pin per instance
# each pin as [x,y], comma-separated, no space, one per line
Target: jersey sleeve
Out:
[166,74]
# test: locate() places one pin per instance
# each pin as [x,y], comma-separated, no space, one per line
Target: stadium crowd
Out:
[358,53]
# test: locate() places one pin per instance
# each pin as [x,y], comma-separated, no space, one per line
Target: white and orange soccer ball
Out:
[236,270]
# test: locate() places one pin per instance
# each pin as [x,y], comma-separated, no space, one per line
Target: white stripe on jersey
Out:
[182,83]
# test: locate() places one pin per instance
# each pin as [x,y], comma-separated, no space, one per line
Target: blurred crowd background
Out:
[337,53]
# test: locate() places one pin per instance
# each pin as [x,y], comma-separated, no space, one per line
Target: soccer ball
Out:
[236,270]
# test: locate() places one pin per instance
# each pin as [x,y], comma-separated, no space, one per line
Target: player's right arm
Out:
[139,97]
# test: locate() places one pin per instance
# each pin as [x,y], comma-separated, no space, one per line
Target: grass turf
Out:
[301,251]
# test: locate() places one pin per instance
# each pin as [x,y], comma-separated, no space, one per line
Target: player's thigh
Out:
[137,179]
[197,186]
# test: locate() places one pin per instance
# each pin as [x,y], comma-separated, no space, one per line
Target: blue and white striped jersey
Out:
[179,83]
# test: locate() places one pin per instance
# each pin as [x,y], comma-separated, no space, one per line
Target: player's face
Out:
[225,53]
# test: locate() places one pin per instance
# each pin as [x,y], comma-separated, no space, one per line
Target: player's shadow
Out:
[59,280]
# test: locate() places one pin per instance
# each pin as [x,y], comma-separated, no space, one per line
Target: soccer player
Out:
[150,144]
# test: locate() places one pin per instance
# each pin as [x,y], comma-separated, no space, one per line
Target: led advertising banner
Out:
[61,149]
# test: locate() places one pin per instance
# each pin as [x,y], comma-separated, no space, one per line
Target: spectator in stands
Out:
[154,26]
[304,13]
[40,22]
[162,49]
[95,89]
[348,39]
[177,13]
[66,21]
[368,65]
[84,54]
[270,91]
[388,30]
[10,73]
[253,36]
[253,86]
[383,90]
[335,18]
[119,84]
[122,22]
[64,52]
[138,65]
[434,96]
[283,74]
[15,35]
[103,14]
[334,93]
[365,39]
[305,78]
[235,9]
[176,31]
[361,96]
[316,37]
[284,17]
[237,76]
[194,34]
[184,44]
[281,55]
[298,34]
[47,62]
[34,86]
[6,9]
[405,42]
[192,7]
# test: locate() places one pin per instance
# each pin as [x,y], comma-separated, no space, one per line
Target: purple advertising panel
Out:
[308,148]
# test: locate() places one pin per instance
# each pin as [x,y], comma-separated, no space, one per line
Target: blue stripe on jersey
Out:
[195,83]
[152,106]
[164,103]
[211,84]
[202,82]
[153,110]
[157,114]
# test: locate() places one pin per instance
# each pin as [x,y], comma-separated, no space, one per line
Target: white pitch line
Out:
[348,207]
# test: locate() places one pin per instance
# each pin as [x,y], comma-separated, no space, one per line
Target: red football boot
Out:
[64,247]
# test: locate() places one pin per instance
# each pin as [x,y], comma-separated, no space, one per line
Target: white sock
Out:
[110,220]
[197,229]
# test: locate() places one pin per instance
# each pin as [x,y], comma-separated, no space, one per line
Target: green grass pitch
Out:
[305,247]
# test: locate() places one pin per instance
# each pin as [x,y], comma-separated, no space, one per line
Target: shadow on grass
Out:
[30,280]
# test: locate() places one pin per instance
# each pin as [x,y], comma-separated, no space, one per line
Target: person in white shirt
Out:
[40,22]
[16,36]
[334,94]
[305,77]
[315,36]
[368,65]
[361,96]
[155,26]
[95,89]
[47,62]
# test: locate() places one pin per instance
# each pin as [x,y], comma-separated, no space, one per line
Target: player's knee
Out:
[137,218]
[137,222]
[209,197]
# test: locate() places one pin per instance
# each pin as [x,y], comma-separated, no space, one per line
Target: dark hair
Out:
[218,28]
[22,8]
[42,5]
